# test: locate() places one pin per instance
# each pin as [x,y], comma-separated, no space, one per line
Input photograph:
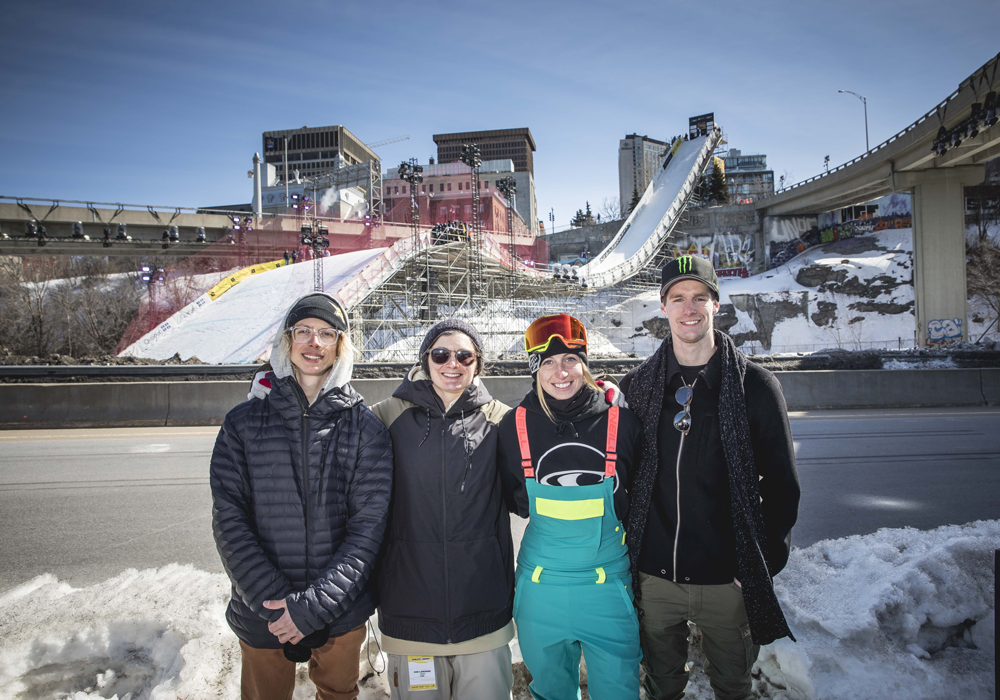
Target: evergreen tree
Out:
[635,200]
[589,215]
[578,219]
[718,188]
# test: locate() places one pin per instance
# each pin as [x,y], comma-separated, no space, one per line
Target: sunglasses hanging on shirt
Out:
[684,396]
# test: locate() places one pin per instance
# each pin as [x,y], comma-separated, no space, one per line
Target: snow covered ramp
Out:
[654,217]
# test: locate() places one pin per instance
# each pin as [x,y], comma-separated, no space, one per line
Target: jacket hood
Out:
[281,364]
[417,388]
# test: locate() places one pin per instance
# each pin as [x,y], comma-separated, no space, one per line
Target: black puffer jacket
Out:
[317,552]
[448,573]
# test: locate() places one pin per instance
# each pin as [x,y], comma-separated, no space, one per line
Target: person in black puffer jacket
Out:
[446,585]
[301,483]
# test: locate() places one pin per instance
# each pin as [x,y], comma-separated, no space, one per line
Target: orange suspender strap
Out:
[609,465]
[522,440]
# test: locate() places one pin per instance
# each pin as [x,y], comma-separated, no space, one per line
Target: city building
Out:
[639,157]
[446,195]
[516,145]
[313,150]
[747,176]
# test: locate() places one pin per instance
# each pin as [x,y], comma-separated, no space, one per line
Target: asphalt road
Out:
[86,504]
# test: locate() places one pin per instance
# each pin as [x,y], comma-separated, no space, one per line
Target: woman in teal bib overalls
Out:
[565,456]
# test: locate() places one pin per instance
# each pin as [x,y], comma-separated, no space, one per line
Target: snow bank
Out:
[142,635]
[899,614]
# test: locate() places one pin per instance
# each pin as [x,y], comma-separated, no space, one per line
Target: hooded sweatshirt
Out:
[569,451]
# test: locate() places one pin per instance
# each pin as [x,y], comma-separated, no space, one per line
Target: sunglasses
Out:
[562,326]
[440,356]
[682,421]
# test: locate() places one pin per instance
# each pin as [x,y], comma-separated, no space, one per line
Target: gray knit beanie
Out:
[451,324]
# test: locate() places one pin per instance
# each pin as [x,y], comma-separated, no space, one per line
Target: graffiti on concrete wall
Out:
[731,253]
[944,331]
[786,237]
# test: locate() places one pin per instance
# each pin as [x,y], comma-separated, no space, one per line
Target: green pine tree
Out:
[718,188]
[635,200]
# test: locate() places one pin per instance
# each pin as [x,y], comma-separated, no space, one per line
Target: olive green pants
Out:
[722,618]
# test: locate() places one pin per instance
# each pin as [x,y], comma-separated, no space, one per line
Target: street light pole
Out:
[865,103]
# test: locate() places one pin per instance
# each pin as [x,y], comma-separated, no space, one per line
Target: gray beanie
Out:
[451,324]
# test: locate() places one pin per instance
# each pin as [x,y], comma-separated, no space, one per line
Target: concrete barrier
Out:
[125,404]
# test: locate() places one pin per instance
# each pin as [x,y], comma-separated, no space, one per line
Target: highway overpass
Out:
[912,161]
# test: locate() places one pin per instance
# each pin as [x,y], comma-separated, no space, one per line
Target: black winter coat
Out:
[318,552]
[448,572]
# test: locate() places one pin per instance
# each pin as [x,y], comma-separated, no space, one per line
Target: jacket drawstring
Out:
[468,452]
[428,431]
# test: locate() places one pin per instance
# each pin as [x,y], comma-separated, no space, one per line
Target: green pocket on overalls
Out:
[578,543]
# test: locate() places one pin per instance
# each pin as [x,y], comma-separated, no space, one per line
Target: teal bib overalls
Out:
[574,589]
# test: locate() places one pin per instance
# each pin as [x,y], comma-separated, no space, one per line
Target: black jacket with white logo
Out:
[448,572]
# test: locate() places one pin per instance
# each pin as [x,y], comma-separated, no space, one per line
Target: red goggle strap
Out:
[612,444]
[522,441]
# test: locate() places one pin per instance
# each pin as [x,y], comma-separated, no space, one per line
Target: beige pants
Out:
[483,676]
[334,669]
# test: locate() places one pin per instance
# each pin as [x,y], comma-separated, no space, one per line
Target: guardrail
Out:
[124,404]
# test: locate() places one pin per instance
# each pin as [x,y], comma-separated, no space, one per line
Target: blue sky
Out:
[164,103]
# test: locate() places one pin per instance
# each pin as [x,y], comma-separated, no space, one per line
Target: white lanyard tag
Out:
[421,671]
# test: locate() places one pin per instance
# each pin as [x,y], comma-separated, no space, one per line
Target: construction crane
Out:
[375,145]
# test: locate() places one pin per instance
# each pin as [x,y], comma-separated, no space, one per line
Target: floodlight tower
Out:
[470,156]
[508,188]
[409,172]
[315,236]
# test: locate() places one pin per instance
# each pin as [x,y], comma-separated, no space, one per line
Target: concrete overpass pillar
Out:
[939,250]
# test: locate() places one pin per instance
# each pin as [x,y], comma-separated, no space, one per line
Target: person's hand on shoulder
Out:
[612,392]
[261,385]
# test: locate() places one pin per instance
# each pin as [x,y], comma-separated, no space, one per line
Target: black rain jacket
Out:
[300,502]
[448,572]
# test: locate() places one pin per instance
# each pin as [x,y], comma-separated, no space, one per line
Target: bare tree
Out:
[611,209]
[982,274]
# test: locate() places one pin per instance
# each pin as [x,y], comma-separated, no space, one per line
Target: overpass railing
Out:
[936,111]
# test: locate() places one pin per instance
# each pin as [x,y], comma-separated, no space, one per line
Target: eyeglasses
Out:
[303,334]
[562,326]
[440,356]
[682,421]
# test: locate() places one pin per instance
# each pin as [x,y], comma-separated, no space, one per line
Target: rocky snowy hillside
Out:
[853,294]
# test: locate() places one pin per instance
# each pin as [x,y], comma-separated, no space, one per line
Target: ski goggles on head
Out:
[562,326]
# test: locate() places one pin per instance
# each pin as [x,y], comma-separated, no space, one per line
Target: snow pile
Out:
[897,614]
[153,634]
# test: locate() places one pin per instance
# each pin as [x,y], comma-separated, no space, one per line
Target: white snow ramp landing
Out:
[240,325]
[654,217]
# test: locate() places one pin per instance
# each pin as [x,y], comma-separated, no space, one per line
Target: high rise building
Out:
[639,157]
[513,144]
[314,150]
[748,177]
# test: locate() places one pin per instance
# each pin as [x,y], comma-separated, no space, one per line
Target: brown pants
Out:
[334,669]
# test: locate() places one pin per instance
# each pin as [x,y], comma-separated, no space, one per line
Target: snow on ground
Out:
[239,325]
[898,614]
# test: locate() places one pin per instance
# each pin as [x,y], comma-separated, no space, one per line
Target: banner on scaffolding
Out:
[240,275]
